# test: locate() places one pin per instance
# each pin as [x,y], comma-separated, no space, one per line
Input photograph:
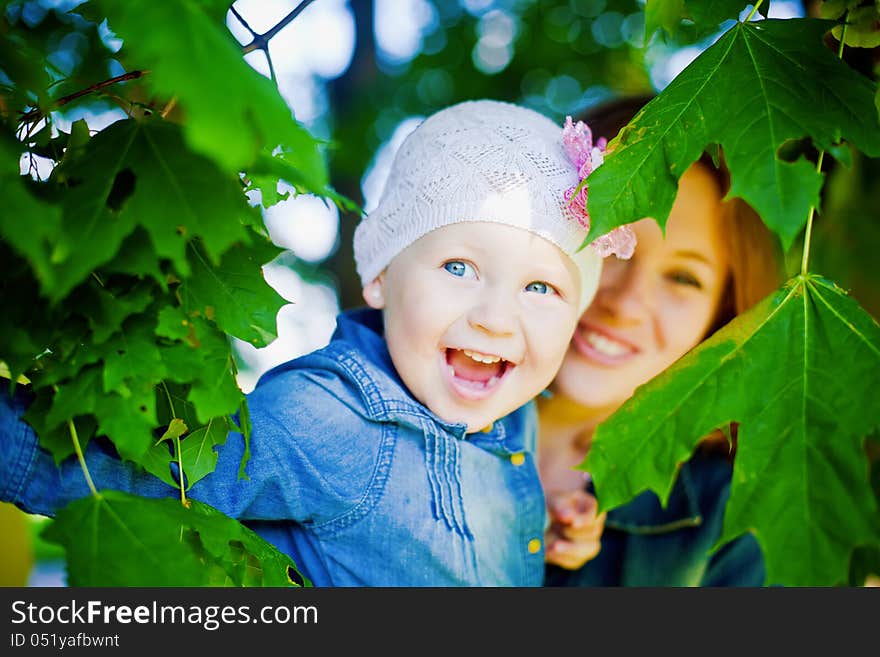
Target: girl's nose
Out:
[493,314]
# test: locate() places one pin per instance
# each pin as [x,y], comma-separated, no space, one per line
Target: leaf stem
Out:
[842,38]
[179,449]
[168,107]
[805,258]
[754,9]
[168,396]
[71,427]
[74,438]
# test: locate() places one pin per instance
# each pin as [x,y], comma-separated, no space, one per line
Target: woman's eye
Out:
[685,278]
[540,287]
[460,269]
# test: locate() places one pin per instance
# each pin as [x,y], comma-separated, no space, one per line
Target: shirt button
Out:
[534,545]
[489,428]
[518,459]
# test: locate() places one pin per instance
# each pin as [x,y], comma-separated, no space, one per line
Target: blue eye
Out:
[540,287]
[460,269]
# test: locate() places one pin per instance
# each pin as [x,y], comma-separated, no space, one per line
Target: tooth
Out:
[606,345]
[481,358]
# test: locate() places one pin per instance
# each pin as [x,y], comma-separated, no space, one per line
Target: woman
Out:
[717,259]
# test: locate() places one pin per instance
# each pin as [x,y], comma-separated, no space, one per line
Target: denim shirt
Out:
[645,544]
[359,483]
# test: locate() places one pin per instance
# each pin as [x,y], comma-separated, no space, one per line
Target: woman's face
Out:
[650,310]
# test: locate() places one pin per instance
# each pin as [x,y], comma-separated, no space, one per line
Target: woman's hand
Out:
[575,530]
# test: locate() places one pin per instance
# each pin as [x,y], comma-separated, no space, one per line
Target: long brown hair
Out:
[756,262]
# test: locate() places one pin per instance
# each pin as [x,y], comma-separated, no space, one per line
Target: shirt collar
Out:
[358,341]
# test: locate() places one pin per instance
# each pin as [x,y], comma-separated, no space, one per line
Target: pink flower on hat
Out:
[577,140]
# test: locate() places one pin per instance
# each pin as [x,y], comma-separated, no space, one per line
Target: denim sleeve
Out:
[30,479]
[314,447]
[311,458]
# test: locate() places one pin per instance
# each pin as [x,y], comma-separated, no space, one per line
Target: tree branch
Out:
[261,42]
[36,113]
[243,21]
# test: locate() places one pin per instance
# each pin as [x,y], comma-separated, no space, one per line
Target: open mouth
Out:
[474,374]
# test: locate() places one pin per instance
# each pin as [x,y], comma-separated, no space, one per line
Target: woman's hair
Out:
[756,263]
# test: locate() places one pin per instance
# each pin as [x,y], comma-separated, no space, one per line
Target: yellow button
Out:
[489,428]
[518,459]
[534,545]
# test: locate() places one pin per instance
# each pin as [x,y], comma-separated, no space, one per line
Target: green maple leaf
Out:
[759,86]
[119,391]
[159,542]
[173,324]
[139,173]
[74,398]
[22,63]
[197,449]
[106,310]
[232,111]
[705,15]
[137,258]
[862,22]
[56,438]
[176,428]
[28,322]
[197,455]
[30,225]
[662,14]
[128,421]
[131,357]
[799,372]
[709,14]
[217,392]
[243,420]
[269,169]
[235,294]
[208,369]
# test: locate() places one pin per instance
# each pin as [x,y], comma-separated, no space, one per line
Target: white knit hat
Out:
[481,160]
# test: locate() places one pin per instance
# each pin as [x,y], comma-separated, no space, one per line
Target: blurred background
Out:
[361,74]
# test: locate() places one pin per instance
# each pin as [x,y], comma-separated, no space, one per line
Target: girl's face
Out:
[477,318]
[652,309]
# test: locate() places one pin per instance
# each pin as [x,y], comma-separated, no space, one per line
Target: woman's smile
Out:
[601,346]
